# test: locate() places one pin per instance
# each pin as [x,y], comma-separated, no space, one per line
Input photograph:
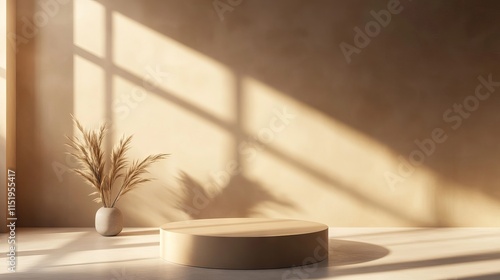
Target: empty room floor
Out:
[354,253]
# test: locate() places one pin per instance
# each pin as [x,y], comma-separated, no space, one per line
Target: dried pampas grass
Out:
[87,149]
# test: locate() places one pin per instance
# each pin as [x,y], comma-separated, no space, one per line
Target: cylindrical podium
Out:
[244,243]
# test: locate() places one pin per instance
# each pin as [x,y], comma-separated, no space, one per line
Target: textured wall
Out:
[7,100]
[3,109]
[353,113]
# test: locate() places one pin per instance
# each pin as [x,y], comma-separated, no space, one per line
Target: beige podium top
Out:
[244,243]
[244,227]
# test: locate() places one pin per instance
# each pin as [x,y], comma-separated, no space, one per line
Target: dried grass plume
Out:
[87,149]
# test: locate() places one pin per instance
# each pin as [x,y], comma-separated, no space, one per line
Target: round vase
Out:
[108,221]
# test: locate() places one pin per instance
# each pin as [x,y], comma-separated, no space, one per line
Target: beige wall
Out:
[3,108]
[269,92]
[7,100]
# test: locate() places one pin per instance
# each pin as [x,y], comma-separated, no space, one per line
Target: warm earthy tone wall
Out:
[269,108]
[7,100]
[3,109]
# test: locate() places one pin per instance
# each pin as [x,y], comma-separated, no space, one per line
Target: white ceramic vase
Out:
[108,221]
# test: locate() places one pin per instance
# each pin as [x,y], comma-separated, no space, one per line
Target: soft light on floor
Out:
[354,253]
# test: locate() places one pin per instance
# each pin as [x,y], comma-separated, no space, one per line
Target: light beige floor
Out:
[355,253]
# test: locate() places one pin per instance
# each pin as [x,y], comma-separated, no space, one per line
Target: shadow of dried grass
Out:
[240,197]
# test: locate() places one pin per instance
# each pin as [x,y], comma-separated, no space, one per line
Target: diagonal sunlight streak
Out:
[133,78]
[207,94]
[358,175]
[425,263]
[119,246]
[74,246]
[284,158]
[45,261]
[347,189]
[208,84]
